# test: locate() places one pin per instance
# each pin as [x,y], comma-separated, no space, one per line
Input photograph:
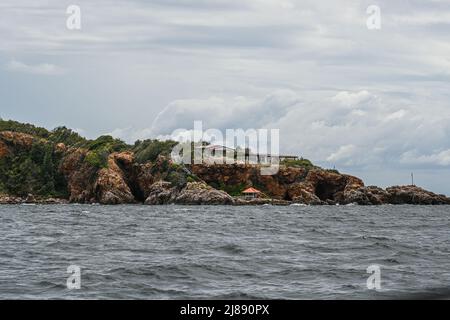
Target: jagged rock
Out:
[327,187]
[17,138]
[414,195]
[163,192]
[358,196]
[110,186]
[4,199]
[4,151]
[144,178]
[250,175]
[60,148]
[303,193]
[201,193]
[30,199]
[79,176]
[376,195]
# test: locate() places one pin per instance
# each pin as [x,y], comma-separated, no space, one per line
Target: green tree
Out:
[47,173]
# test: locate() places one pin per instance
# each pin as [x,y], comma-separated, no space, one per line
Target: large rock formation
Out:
[111,185]
[201,193]
[163,192]
[80,176]
[325,187]
[119,182]
[414,195]
[276,186]
[14,140]
[17,139]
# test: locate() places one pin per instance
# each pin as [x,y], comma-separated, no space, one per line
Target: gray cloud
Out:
[40,69]
[349,129]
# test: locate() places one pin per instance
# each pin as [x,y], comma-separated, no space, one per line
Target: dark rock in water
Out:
[414,195]
[201,193]
[303,193]
[30,199]
[193,193]
[161,192]
[54,201]
[394,195]
[4,199]
[327,187]
[376,195]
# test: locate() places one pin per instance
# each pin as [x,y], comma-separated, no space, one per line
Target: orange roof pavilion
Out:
[251,190]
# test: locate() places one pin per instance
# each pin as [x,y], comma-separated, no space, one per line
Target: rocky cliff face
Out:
[123,180]
[79,176]
[325,187]
[276,186]
[112,185]
[16,139]
[314,186]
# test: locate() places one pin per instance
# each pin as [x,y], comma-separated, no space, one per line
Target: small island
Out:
[60,166]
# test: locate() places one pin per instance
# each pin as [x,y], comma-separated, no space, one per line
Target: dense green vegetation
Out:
[149,150]
[101,148]
[9,125]
[67,136]
[34,172]
[58,135]
[232,190]
[298,163]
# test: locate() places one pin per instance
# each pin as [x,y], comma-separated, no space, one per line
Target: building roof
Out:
[251,190]
[214,147]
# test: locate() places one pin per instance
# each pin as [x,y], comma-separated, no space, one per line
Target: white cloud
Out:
[397,115]
[441,158]
[344,153]
[352,99]
[39,69]
[225,113]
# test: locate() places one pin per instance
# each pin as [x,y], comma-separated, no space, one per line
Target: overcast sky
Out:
[374,103]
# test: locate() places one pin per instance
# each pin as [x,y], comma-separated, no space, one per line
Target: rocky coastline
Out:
[163,194]
[122,179]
